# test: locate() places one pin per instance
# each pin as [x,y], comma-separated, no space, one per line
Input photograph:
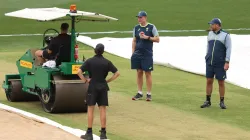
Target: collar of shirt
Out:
[98,55]
[217,31]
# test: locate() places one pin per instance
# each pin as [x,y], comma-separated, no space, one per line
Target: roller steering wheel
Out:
[47,37]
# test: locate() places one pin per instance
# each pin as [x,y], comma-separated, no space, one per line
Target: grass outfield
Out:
[174,112]
[165,14]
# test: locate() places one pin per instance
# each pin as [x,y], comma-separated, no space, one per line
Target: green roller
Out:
[59,89]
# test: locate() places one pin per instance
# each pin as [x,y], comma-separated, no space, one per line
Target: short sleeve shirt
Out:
[144,47]
[98,68]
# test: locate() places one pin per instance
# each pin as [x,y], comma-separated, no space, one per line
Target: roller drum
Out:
[16,94]
[68,94]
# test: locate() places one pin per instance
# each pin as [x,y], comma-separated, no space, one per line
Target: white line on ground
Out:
[76,132]
[125,32]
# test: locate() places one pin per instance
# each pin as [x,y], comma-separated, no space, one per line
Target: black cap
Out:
[99,49]
[64,26]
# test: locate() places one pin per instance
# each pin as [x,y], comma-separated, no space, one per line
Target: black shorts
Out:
[97,94]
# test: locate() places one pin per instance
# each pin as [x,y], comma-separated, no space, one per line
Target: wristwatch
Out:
[227,61]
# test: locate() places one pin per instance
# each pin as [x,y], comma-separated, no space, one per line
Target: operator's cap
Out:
[215,21]
[99,49]
[142,14]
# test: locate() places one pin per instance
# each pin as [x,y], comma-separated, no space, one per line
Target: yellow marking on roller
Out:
[26,64]
[75,68]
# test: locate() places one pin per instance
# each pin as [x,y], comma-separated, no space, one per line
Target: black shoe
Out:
[222,105]
[138,96]
[103,135]
[87,136]
[206,104]
[149,98]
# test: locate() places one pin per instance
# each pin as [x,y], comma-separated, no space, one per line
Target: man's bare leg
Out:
[89,134]
[103,116]
[222,93]
[139,80]
[209,89]
[90,116]
[149,85]
[221,87]
[103,122]
[149,81]
[39,59]
[139,77]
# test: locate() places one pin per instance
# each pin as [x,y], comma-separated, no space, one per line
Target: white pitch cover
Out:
[185,53]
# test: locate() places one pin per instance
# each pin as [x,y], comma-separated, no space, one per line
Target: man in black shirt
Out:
[60,43]
[98,68]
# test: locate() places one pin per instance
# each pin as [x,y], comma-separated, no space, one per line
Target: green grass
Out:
[176,94]
[172,89]
[165,14]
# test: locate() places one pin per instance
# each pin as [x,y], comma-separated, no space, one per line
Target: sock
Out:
[149,93]
[222,99]
[140,92]
[208,97]
[103,129]
[89,130]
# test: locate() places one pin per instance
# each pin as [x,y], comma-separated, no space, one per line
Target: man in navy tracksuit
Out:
[144,35]
[217,60]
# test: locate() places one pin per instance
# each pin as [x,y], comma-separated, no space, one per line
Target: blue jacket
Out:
[218,48]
